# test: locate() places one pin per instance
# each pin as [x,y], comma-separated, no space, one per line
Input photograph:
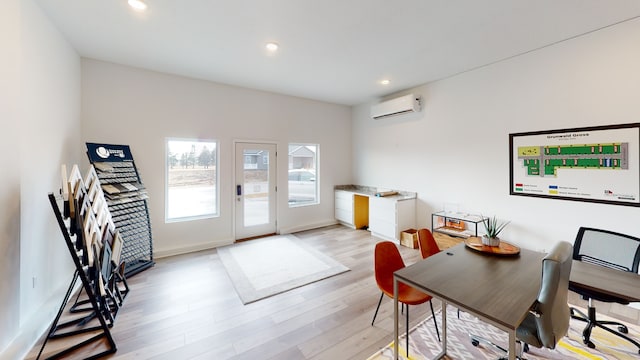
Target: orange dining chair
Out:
[427,243]
[388,260]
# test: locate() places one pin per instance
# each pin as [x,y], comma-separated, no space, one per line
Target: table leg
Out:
[395,318]
[444,330]
[512,345]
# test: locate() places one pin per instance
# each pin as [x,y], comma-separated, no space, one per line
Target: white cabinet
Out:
[388,217]
[352,209]
[344,207]
[385,217]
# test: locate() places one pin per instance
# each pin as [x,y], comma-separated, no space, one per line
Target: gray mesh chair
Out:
[548,319]
[612,250]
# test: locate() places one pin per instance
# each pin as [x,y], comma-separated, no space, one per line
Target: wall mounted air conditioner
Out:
[402,105]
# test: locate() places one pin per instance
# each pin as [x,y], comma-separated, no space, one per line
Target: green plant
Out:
[493,227]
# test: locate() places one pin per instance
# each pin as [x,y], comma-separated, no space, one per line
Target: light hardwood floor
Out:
[185,307]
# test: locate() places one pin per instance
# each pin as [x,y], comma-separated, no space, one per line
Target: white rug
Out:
[265,267]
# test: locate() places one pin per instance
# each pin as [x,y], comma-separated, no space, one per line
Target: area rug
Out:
[268,266]
[423,343]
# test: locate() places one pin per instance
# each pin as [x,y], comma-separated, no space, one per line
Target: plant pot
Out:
[495,241]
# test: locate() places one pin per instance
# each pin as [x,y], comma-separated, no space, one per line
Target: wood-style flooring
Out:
[185,307]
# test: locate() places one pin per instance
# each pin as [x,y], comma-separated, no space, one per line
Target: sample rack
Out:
[95,246]
[126,198]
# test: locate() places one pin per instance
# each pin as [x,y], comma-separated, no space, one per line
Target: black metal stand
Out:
[115,166]
[96,309]
[592,321]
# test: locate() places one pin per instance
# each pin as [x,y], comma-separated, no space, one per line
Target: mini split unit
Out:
[398,106]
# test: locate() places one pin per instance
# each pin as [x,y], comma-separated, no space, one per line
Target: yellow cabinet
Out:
[352,209]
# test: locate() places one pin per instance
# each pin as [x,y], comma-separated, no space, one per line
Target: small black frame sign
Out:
[108,153]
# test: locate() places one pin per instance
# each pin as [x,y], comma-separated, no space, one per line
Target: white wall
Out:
[41,82]
[456,149]
[10,180]
[124,105]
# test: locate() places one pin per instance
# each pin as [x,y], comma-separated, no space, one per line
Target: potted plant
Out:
[492,228]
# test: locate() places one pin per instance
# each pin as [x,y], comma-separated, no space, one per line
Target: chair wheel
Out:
[475,342]
[623,329]
[591,345]
[526,348]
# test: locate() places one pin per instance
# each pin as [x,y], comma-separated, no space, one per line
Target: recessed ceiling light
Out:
[385,82]
[138,5]
[271,46]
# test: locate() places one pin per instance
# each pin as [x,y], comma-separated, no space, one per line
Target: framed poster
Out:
[597,164]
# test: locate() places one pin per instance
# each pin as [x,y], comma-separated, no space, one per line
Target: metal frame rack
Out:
[126,198]
[95,246]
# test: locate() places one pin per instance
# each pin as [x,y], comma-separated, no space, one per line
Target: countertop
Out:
[371,191]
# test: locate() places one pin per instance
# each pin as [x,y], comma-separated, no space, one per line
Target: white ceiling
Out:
[330,50]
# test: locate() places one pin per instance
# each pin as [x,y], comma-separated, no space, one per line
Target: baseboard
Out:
[158,254]
[293,229]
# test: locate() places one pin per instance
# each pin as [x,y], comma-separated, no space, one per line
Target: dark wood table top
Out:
[500,289]
[621,284]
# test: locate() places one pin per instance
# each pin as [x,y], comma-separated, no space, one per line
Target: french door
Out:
[255,189]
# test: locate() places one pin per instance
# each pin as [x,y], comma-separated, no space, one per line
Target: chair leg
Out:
[407,325]
[617,333]
[378,308]
[592,322]
[476,340]
[434,319]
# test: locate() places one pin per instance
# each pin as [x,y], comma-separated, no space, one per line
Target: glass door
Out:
[255,190]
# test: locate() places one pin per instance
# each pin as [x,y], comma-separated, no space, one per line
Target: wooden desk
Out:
[621,284]
[499,290]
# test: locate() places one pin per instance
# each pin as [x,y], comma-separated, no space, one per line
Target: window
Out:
[192,179]
[303,174]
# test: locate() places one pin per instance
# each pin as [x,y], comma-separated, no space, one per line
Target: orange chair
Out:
[387,261]
[427,243]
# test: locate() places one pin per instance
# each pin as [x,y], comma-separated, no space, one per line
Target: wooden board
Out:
[504,249]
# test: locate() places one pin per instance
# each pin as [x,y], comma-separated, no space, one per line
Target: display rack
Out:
[95,246]
[455,223]
[126,198]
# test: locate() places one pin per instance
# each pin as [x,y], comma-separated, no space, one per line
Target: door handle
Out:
[239,190]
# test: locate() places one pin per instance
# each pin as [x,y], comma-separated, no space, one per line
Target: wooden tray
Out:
[505,249]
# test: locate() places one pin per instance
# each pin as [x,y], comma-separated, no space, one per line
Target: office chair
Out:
[548,319]
[612,250]
[427,243]
[387,260]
